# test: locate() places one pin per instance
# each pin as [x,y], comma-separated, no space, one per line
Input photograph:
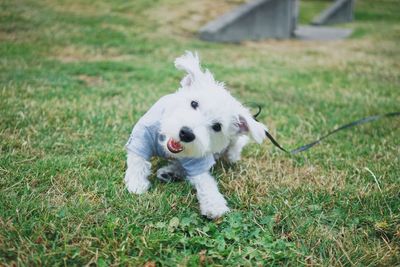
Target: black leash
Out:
[310,145]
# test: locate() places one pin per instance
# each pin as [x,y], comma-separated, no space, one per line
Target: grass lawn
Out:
[76,75]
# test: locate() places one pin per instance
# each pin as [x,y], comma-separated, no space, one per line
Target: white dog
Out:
[193,126]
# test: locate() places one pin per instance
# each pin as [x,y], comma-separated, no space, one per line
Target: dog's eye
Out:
[216,127]
[194,104]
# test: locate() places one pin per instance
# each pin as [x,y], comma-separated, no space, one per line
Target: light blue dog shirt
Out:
[145,141]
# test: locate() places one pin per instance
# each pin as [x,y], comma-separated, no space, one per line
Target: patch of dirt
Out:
[83,8]
[187,17]
[7,36]
[91,80]
[70,54]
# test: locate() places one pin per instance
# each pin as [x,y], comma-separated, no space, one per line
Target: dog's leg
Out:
[136,174]
[212,202]
[235,149]
[171,173]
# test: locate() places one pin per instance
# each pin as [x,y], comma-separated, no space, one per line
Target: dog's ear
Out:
[246,124]
[190,63]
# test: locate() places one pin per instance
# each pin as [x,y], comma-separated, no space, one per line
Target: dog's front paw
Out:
[136,185]
[214,210]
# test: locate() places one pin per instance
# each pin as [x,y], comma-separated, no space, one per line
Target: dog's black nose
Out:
[186,135]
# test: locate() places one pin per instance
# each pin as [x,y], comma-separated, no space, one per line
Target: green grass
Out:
[311,8]
[76,75]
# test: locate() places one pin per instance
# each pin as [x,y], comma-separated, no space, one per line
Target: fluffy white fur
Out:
[215,105]
[212,203]
[136,174]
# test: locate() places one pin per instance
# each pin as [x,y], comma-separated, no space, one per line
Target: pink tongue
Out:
[175,145]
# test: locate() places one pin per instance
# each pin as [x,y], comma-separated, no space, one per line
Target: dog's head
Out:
[204,118]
